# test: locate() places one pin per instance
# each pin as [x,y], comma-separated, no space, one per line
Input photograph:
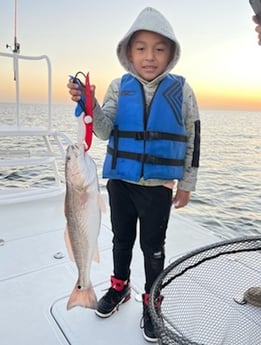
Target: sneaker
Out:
[149,333]
[118,293]
[253,296]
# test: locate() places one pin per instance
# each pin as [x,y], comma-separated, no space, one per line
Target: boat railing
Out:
[17,58]
[29,140]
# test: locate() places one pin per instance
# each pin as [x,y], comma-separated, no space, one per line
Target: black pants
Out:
[151,205]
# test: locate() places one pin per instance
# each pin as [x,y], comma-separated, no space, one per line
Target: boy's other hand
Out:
[181,198]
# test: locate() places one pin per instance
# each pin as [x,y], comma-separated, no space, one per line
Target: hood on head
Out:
[150,20]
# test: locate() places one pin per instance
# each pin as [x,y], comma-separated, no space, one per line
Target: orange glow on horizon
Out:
[208,97]
[229,99]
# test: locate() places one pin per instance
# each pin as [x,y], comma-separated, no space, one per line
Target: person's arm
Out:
[192,125]
[104,115]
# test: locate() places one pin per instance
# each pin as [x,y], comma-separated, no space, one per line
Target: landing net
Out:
[203,296]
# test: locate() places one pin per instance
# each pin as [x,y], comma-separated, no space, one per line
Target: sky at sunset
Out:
[220,56]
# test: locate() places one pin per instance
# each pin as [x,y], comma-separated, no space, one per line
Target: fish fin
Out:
[96,255]
[101,203]
[85,298]
[68,243]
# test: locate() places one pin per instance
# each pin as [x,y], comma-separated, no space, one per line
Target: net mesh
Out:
[201,294]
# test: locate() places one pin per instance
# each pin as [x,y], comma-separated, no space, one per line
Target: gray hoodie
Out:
[151,20]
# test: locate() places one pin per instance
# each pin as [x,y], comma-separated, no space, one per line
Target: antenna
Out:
[16,47]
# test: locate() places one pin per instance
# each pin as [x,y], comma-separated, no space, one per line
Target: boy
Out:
[151,120]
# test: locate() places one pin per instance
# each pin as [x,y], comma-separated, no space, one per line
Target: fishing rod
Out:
[16,47]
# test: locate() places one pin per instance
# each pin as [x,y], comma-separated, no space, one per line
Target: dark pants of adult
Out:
[151,206]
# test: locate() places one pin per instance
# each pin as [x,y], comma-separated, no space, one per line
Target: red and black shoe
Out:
[147,326]
[118,293]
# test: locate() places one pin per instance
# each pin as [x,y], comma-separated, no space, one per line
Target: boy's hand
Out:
[258,29]
[75,92]
[181,198]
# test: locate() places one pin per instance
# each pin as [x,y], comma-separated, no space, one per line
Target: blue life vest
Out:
[149,144]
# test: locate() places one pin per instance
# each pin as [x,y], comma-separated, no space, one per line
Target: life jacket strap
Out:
[148,135]
[144,158]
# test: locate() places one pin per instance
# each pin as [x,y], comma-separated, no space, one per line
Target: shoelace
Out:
[111,295]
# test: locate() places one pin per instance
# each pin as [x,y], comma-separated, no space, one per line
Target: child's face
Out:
[150,54]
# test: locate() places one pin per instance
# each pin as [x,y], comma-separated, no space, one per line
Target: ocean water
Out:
[228,195]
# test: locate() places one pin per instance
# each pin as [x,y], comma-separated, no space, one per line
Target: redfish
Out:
[83,215]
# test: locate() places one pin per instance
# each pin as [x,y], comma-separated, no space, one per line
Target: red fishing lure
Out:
[85,106]
[88,114]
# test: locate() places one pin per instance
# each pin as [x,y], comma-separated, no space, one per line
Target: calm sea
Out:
[228,195]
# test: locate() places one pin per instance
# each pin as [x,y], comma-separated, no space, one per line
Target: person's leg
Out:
[124,222]
[154,216]
[154,208]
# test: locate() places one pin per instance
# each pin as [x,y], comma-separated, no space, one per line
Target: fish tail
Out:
[84,297]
